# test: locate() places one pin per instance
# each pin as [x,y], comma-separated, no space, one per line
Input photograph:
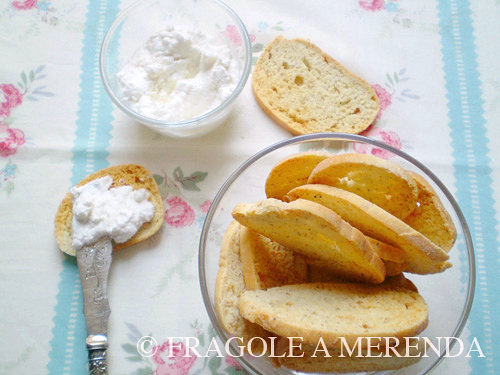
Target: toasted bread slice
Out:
[379,181]
[393,257]
[314,359]
[291,172]
[126,174]
[318,273]
[331,311]
[421,255]
[306,91]
[431,217]
[401,281]
[267,264]
[229,285]
[316,232]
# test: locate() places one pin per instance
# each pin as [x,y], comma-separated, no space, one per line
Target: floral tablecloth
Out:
[433,63]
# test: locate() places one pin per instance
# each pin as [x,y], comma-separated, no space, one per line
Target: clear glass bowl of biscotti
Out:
[336,253]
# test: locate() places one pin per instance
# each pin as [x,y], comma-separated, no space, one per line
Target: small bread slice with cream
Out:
[133,175]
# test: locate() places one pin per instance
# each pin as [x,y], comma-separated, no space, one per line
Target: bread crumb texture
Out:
[330,311]
[306,91]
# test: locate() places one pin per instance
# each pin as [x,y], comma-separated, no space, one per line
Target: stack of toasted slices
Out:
[323,260]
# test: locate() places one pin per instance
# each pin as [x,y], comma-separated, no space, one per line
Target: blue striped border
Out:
[68,353]
[472,169]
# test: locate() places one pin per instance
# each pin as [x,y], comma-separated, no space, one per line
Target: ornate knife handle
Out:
[97,346]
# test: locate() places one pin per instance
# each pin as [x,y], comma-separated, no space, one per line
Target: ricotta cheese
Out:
[99,211]
[179,74]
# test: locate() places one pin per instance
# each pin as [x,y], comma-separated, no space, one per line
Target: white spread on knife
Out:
[179,74]
[100,211]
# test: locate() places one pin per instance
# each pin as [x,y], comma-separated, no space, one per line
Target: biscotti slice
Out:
[133,175]
[318,273]
[379,181]
[314,359]
[401,281]
[291,172]
[393,257]
[229,285]
[431,217]
[306,91]
[422,256]
[337,313]
[266,263]
[316,232]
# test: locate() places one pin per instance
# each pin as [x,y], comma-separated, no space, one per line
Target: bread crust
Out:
[305,90]
[125,174]
[229,286]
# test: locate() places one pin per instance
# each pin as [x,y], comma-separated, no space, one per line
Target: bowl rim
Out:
[183,124]
[210,308]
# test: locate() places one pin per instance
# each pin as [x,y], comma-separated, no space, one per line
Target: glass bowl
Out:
[136,24]
[449,294]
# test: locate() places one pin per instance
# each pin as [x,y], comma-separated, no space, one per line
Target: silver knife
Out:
[94,261]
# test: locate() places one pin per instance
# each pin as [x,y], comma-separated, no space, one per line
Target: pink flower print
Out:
[205,206]
[24,4]
[372,5]
[10,140]
[173,359]
[387,137]
[179,214]
[11,98]
[232,362]
[234,37]
[384,97]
